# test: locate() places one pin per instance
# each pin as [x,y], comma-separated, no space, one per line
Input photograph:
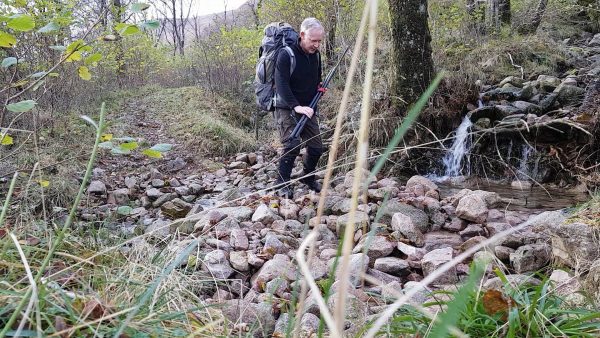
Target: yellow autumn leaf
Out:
[6,140]
[75,56]
[44,183]
[84,73]
[152,153]
[106,137]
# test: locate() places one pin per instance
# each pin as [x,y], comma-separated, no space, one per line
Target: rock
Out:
[239,260]
[418,216]
[364,175]
[472,230]
[420,180]
[288,209]
[381,277]
[182,190]
[97,188]
[441,239]
[570,95]
[157,183]
[358,265]
[420,296]
[356,313]
[273,246]
[309,325]
[175,165]
[404,224]
[259,317]
[121,196]
[567,286]
[318,269]
[282,325]
[328,254]
[531,257]
[306,214]
[159,230]
[230,194]
[176,208]
[471,242]
[238,239]
[361,221]
[391,291]
[277,286]
[279,266]
[217,265]
[377,246]
[503,252]
[153,193]
[436,258]
[263,214]
[254,260]
[166,198]
[472,208]
[592,281]
[455,225]
[412,253]
[527,107]
[238,165]
[547,82]
[392,265]
[595,41]
[513,80]
[515,280]
[130,182]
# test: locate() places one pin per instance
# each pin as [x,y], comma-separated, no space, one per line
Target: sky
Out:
[203,7]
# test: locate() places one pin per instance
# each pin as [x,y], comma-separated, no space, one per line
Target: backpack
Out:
[277,36]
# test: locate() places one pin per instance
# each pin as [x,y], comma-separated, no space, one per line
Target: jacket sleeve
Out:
[320,69]
[285,97]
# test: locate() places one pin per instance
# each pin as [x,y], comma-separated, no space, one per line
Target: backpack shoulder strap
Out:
[292,58]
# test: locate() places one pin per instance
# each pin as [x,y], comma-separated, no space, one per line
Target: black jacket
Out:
[299,88]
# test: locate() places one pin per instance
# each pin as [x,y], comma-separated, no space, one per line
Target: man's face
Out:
[311,40]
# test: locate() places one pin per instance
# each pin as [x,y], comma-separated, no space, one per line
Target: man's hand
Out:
[308,111]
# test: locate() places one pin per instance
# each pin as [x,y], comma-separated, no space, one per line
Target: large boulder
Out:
[531,257]
[472,208]
[418,216]
[405,225]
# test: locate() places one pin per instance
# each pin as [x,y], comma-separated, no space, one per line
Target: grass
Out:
[523,311]
[588,212]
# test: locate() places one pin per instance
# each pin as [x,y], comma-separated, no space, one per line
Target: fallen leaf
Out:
[495,302]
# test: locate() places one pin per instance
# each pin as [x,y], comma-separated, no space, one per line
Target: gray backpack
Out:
[277,36]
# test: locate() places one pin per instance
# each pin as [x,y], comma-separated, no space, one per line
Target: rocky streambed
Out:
[248,238]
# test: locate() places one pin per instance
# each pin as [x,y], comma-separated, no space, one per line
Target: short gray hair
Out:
[311,23]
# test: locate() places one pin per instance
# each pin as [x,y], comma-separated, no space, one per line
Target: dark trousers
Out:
[309,137]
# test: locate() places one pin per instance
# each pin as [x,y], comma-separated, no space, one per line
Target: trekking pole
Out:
[316,98]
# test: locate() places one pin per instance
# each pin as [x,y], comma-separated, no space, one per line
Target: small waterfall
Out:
[535,171]
[523,173]
[459,149]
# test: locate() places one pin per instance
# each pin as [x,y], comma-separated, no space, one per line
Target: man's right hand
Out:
[308,111]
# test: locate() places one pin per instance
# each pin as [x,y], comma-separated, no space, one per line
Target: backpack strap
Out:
[292,58]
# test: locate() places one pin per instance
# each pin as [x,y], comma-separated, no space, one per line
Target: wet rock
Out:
[217,264]
[176,208]
[239,260]
[97,187]
[472,208]
[531,257]
[436,258]
[404,224]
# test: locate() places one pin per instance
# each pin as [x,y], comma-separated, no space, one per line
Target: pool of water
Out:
[536,197]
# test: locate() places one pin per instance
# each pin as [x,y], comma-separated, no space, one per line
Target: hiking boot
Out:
[311,183]
[286,192]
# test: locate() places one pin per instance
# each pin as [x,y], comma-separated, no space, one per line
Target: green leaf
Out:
[129,145]
[162,147]
[119,151]
[139,7]
[7,40]
[84,73]
[124,210]
[75,45]
[93,59]
[106,145]
[21,107]
[150,24]
[50,27]
[74,56]
[6,140]
[152,153]
[21,22]
[126,29]
[9,61]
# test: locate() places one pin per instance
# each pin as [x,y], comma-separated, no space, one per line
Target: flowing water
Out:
[453,160]
[523,172]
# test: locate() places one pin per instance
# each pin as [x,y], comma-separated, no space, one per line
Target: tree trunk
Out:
[412,51]
[118,10]
[332,14]
[536,18]
[504,9]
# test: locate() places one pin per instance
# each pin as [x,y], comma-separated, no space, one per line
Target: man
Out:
[294,94]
